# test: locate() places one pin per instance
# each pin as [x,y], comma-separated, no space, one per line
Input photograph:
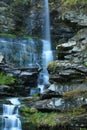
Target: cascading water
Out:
[20,52]
[47,52]
[11,119]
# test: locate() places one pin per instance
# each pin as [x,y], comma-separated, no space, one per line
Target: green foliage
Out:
[16,2]
[51,4]
[50,119]
[83,128]
[7,35]
[74,2]
[44,119]
[39,6]
[26,111]
[79,111]
[6,79]
[85,64]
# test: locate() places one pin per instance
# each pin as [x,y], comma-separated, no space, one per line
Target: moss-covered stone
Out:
[51,67]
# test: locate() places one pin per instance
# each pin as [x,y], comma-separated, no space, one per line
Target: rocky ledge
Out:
[23,77]
[67,113]
[71,65]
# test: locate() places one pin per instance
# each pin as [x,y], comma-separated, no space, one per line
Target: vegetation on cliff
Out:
[6,79]
[72,2]
[53,119]
[17,2]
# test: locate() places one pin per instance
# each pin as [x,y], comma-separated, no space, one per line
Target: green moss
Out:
[6,79]
[51,67]
[26,110]
[83,128]
[39,6]
[51,4]
[28,36]
[74,2]
[52,64]
[7,35]
[85,64]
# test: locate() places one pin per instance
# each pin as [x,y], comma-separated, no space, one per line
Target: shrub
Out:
[6,79]
[73,2]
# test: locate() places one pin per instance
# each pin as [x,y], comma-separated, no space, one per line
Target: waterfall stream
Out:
[11,119]
[47,55]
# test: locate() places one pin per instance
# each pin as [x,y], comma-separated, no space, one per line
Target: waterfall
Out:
[11,119]
[46,52]
[20,52]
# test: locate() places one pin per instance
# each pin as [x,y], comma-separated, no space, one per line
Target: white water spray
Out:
[11,119]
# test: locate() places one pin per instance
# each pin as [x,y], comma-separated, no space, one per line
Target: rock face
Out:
[24,79]
[69,71]
[72,57]
[79,19]
[27,18]
[26,74]
[20,17]
[7,23]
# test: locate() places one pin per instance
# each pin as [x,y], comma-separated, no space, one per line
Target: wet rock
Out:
[29,76]
[58,104]
[4,91]
[26,75]
[71,100]
[72,57]
[51,92]
[68,71]
[4,87]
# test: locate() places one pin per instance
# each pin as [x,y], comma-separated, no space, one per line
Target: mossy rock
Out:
[51,67]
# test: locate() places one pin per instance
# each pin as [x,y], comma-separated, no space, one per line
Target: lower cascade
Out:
[11,119]
[47,57]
